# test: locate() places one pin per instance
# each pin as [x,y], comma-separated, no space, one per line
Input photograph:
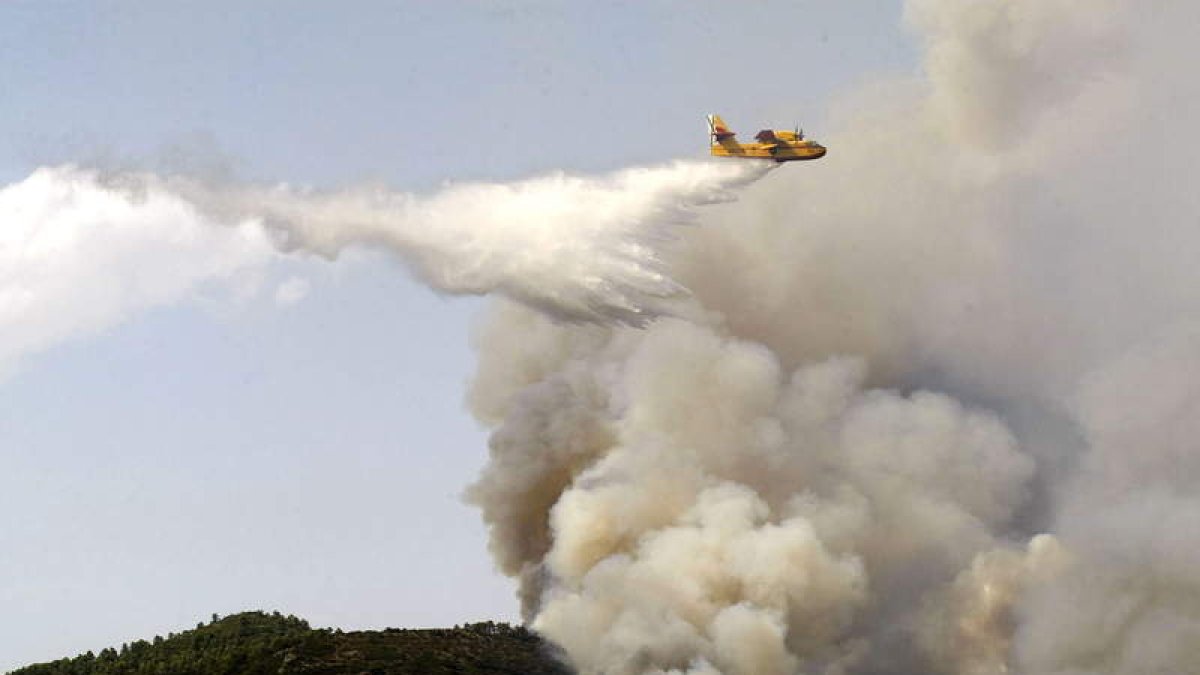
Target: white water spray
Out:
[80,249]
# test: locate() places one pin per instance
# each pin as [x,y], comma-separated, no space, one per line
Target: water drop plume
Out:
[579,248]
[82,249]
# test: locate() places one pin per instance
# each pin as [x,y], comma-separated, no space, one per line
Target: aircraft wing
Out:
[766,136]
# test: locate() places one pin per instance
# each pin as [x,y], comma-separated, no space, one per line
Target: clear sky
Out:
[306,451]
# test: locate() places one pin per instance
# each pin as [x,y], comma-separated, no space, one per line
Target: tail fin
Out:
[718,129]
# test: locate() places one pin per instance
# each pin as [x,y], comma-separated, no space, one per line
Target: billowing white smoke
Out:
[80,250]
[701,507]
[936,408]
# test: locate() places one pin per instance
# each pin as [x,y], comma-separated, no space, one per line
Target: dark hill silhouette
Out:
[257,643]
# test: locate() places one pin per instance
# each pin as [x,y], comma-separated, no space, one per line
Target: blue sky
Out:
[231,452]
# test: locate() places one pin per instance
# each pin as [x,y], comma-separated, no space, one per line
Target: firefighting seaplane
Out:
[781,146]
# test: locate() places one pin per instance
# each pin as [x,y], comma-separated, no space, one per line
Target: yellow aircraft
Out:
[781,146]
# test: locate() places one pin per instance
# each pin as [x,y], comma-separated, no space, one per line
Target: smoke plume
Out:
[935,407]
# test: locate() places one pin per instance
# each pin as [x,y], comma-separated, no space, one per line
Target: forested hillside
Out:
[256,643]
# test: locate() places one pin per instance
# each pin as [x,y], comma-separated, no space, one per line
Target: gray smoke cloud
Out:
[934,409]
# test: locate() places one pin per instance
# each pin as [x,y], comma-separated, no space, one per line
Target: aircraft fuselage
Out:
[785,151]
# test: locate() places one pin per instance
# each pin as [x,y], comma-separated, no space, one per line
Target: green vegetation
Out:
[256,643]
